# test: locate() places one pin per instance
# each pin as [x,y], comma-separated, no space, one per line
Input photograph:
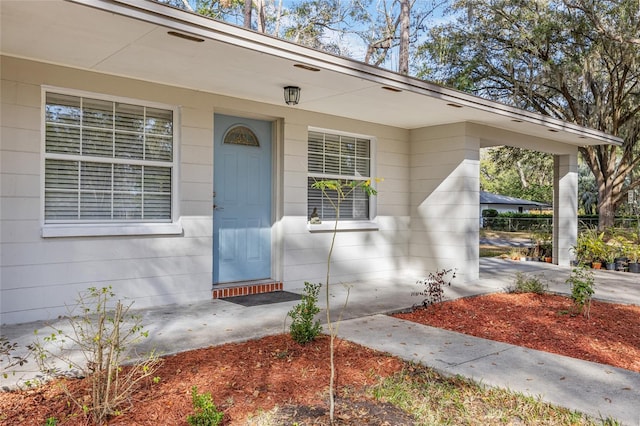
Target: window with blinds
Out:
[334,156]
[107,161]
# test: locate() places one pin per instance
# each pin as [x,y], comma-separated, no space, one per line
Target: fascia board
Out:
[194,24]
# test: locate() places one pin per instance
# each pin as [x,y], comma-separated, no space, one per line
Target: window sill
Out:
[111,229]
[329,226]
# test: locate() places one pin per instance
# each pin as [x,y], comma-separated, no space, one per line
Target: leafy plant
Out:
[206,413]
[541,239]
[594,245]
[633,252]
[51,421]
[517,253]
[435,284]
[303,328]
[612,250]
[581,249]
[8,360]
[103,332]
[582,284]
[529,284]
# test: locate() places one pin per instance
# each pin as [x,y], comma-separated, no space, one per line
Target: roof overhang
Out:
[133,39]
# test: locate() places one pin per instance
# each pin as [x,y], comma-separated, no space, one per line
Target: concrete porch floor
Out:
[177,328]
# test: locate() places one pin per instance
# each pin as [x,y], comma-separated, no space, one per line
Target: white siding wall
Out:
[444,201]
[358,255]
[40,275]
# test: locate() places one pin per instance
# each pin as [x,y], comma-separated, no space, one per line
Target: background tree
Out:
[396,26]
[248,5]
[587,190]
[182,4]
[517,173]
[380,32]
[576,60]
[326,24]
[267,17]
[405,20]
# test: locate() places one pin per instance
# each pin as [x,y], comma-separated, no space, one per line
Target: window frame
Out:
[109,227]
[329,225]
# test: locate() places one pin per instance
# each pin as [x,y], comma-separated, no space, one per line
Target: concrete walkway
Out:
[598,390]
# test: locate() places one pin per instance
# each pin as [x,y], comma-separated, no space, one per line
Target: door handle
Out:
[215,207]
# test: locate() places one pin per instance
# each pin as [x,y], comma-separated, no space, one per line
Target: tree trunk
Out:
[521,174]
[602,162]
[276,30]
[262,20]
[187,5]
[606,206]
[403,61]
[247,13]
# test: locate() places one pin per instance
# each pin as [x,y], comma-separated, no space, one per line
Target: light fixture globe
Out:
[292,95]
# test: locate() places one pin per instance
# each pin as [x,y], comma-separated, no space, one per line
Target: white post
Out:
[565,207]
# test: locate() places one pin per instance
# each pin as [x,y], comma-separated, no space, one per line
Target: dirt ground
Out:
[246,379]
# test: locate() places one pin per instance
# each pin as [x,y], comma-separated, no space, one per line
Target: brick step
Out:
[245,288]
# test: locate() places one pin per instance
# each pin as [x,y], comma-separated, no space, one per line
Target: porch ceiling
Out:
[131,39]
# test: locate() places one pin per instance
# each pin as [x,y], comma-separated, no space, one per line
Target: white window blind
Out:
[334,156]
[107,161]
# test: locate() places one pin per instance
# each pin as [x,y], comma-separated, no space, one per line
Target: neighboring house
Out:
[506,204]
[150,149]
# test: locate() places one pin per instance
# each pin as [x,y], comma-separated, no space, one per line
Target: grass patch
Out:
[434,399]
[490,233]
[494,251]
[490,250]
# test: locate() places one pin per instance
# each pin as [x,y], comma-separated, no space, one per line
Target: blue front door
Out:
[242,199]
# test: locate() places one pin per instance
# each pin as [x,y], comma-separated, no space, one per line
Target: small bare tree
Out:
[103,333]
[342,190]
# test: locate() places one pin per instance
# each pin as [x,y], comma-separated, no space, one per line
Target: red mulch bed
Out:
[245,378]
[611,335]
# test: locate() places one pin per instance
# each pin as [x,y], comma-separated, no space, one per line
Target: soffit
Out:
[131,39]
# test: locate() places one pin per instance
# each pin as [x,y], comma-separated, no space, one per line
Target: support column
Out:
[565,206]
[445,169]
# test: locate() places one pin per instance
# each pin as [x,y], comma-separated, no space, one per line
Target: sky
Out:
[352,43]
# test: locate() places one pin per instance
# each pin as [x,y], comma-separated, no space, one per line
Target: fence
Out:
[515,224]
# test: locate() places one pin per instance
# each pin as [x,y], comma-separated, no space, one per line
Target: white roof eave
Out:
[225,63]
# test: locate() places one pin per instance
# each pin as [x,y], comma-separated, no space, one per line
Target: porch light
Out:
[292,95]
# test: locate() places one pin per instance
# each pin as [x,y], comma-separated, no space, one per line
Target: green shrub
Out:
[529,284]
[304,328]
[582,283]
[206,413]
[489,213]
